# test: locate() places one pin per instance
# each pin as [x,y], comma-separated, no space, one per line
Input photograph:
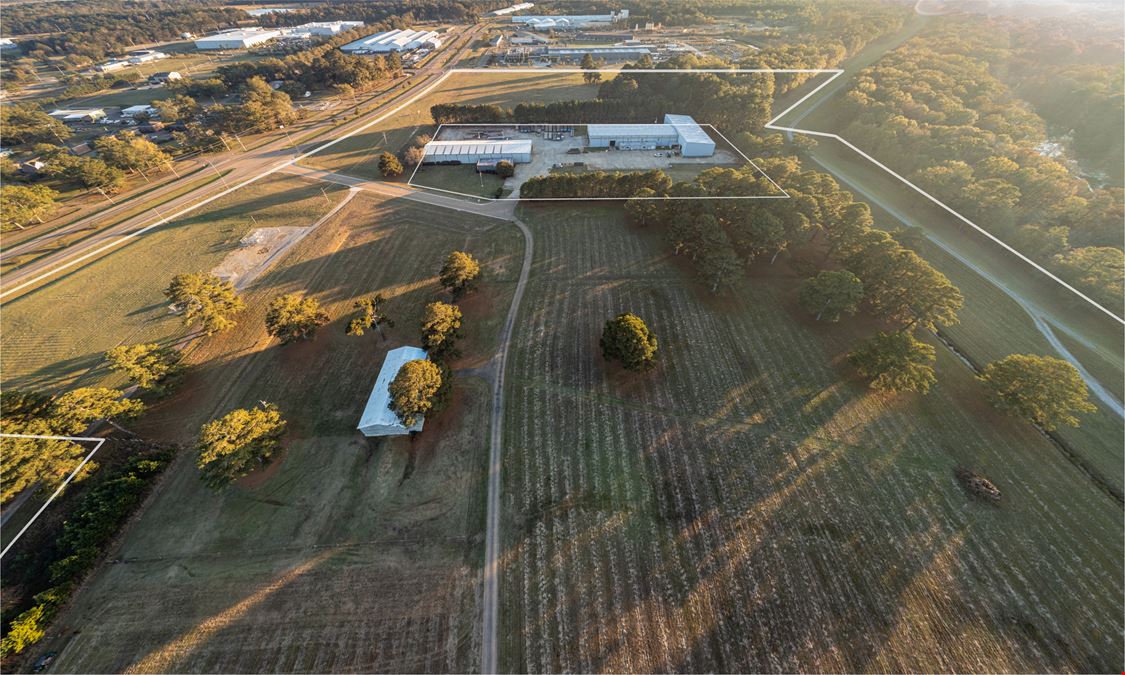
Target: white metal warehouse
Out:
[469,152]
[677,131]
[398,40]
[378,419]
[239,38]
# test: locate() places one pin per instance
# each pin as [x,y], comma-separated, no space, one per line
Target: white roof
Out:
[378,419]
[134,109]
[630,130]
[400,37]
[688,129]
[240,34]
[484,147]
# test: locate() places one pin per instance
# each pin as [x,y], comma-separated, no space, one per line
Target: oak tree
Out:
[230,447]
[1043,389]
[627,339]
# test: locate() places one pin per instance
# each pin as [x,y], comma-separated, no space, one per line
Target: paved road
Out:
[244,167]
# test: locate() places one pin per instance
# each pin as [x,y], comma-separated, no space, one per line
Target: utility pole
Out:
[217,173]
[105,195]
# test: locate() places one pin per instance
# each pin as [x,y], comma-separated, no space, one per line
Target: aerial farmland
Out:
[488,338]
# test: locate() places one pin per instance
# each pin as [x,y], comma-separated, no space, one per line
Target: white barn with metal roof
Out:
[378,419]
[469,152]
[677,130]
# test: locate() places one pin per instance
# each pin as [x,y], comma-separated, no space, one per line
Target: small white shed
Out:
[378,419]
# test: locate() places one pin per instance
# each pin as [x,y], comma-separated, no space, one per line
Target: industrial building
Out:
[164,77]
[73,116]
[142,109]
[399,40]
[511,10]
[614,54]
[110,66]
[238,38]
[678,131]
[545,22]
[378,419]
[326,28]
[470,152]
[145,56]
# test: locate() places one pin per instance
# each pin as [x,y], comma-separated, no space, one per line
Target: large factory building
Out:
[677,130]
[470,152]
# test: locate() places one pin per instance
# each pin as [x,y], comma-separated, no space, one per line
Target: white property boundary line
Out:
[437,132]
[772,124]
[98,442]
[203,202]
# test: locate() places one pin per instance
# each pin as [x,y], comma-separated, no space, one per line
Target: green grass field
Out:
[357,155]
[55,335]
[340,555]
[461,178]
[750,506]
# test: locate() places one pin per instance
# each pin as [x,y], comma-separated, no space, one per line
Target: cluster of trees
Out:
[262,108]
[23,205]
[730,102]
[875,272]
[962,135]
[595,184]
[827,34]
[85,537]
[27,462]
[388,13]
[86,31]
[424,386]
[1069,69]
[627,339]
[234,445]
[317,68]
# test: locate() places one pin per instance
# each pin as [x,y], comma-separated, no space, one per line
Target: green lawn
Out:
[749,505]
[461,178]
[55,336]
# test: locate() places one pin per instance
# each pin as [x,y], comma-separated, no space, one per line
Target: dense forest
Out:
[404,12]
[935,110]
[89,30]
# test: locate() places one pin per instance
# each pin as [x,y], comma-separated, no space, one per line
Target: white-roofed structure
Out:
[470,152]
[324,28]
[677,131]
[142,109]
[398,40]
[568,21]
[239,38]
[378,419]
[511,10]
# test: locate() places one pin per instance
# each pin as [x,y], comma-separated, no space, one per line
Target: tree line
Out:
[934,110]
[730,102]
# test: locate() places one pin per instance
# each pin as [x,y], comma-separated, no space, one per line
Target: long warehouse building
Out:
[677,131]
[398,40]
[470,152]
[239,38]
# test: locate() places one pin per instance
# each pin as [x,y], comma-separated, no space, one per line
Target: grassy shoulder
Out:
[55,335]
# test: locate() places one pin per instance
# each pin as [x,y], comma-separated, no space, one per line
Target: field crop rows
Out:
[55,335]
[340,555]
[749,506]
